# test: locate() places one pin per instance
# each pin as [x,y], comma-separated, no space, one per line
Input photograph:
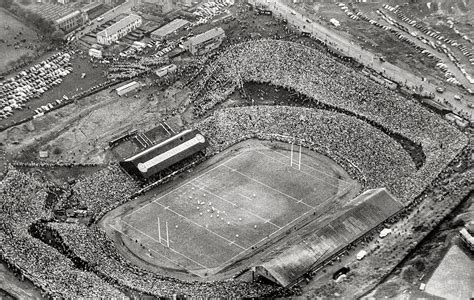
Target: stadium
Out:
[250,200]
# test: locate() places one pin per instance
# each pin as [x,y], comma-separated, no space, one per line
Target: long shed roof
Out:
[169,28]
[166,153]
[373,207]
[112,29]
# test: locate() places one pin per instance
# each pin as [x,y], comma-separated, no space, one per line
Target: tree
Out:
[58,35]
[6,3]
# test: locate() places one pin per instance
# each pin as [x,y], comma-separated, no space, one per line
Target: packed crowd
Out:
[22,201]
[49,164]
[325,80]
[341,137]
[32,83]
[83,262]
[103,190]
[91,245]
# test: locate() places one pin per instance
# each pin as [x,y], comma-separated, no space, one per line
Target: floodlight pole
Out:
[159,230]
[167,236]
[299,160]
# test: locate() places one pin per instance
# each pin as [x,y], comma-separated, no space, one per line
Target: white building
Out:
[95,53]
[119,29]
[163,71]
[126,88]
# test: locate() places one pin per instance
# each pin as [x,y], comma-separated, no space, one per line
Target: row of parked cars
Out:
[31,83]
[430,32]
[212,8]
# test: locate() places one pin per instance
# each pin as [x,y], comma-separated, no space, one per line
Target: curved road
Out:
[361,55]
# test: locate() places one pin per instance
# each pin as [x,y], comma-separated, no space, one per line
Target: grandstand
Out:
[156,158]
[372,208]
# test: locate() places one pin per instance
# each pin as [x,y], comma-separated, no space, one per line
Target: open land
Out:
[16,40]
[453,278]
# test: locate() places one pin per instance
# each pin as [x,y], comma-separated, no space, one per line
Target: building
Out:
[119,29]
[165,5]
[168,29]
[314,251]
[71,21]
[163,71]
[92,8]
[186,3]
[466,235]
[95,53]
[205,42]
[43,154]
[126,88]
[159,157]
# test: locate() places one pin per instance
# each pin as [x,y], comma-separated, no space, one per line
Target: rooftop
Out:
[206,35]
[119,25]
[67,17]
[170,27]
[366,212]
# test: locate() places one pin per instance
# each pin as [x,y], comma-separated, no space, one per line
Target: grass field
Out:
[16,40]
[231,208]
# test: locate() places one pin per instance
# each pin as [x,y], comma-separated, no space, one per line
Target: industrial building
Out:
[168,29]
[63,17]
[312,252]
[92,8]
[205,42]
[131,86]
[119,29]
[71,21]
[159,157]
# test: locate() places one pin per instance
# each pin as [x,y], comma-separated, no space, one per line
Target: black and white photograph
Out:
[237,149]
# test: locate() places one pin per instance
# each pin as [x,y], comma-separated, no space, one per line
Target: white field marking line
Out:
[267,186]
[165,246]
[197,224]
[249,212]
[266,220]
[324,173]
[240,253]
[182,185]
[281,229]
[148,247]
[294,168]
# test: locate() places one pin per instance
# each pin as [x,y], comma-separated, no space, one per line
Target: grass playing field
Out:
[226,211]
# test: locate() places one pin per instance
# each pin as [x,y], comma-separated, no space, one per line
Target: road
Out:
[363,56]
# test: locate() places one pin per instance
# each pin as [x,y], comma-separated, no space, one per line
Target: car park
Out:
[31,83]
